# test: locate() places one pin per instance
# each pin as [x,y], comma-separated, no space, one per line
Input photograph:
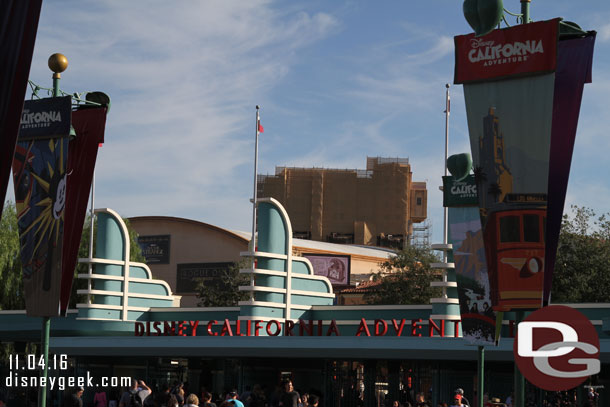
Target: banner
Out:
[40,178]
[18,26]
[335,268]
[474,292]
[89,125]
[459,193]
[512,124]
[525,49]
[575,59]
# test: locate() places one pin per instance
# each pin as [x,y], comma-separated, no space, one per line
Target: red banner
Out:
[89,125]
[515,51]
[18,27]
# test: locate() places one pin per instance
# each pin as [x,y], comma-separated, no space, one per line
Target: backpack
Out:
[135,400]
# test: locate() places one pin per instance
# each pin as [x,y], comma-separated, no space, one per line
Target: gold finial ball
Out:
[58,63]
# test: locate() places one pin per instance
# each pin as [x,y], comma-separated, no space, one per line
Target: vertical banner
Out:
[18,27]
[513,80]
[40,178]
[466,236]
[574,62]
[89,125]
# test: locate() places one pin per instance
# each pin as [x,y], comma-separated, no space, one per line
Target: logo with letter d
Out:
[557,348]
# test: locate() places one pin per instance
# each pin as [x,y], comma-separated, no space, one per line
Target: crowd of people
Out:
[139,394]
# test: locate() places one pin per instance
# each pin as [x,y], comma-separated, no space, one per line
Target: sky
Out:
[336,81]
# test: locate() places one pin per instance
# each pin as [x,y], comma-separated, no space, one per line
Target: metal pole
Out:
[90,270]
[253,241]
[481,377]
[445,209]
[519,397]
[525,10]
[46,321]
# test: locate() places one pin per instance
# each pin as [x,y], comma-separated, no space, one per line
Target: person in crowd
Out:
[207,399]
[228,403]
[172,401]
[100,400]
[396,403]
[232,396]
[509,400]
[457,401]
[259,399]
[246,396]
[191,401]
[496,402]
[74,398]
[305,400]
[420,400]
[314,401]
[290,398]
[178,391]
[136,394]
[459,391]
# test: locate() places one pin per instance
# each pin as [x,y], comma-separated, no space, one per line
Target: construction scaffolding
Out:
[376,206]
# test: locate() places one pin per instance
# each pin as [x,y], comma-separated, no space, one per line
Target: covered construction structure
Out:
[377,206]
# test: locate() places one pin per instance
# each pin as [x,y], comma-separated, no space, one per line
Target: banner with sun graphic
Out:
[39,178]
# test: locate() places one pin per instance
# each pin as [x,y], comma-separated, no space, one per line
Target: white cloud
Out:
[183,81]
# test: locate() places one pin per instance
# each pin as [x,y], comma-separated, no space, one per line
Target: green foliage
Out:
[224,291]
[406,278]
[583,258]
[11,289]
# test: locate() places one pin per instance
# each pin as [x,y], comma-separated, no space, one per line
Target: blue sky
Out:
[337,81]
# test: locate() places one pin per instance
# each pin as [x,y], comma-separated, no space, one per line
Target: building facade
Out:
[377,206]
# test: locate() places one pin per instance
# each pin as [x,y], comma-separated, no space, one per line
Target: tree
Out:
[11,289]
[224,291]
[582,268]
[406,278]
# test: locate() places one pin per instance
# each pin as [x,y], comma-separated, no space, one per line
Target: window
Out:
[509,229]
[531,228]
[419,201]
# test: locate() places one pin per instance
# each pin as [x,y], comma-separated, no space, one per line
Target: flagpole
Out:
[253,241]
[445,210]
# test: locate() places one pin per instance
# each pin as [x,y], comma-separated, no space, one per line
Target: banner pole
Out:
[525,10]
[481,375]
[57,66]
[519,381]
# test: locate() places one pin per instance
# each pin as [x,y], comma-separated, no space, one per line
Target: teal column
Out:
[110,245]
[272,238]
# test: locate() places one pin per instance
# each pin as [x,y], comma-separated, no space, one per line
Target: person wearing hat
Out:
[232,396]
[460,392]
[496,402]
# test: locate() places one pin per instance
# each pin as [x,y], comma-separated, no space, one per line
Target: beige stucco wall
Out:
[197,242]
[190,242]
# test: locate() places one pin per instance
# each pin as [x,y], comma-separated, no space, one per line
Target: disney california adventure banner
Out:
[522,131]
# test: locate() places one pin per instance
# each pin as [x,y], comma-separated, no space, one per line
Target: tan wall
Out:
[190,242]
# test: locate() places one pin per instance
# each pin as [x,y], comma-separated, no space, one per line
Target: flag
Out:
[260,127]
